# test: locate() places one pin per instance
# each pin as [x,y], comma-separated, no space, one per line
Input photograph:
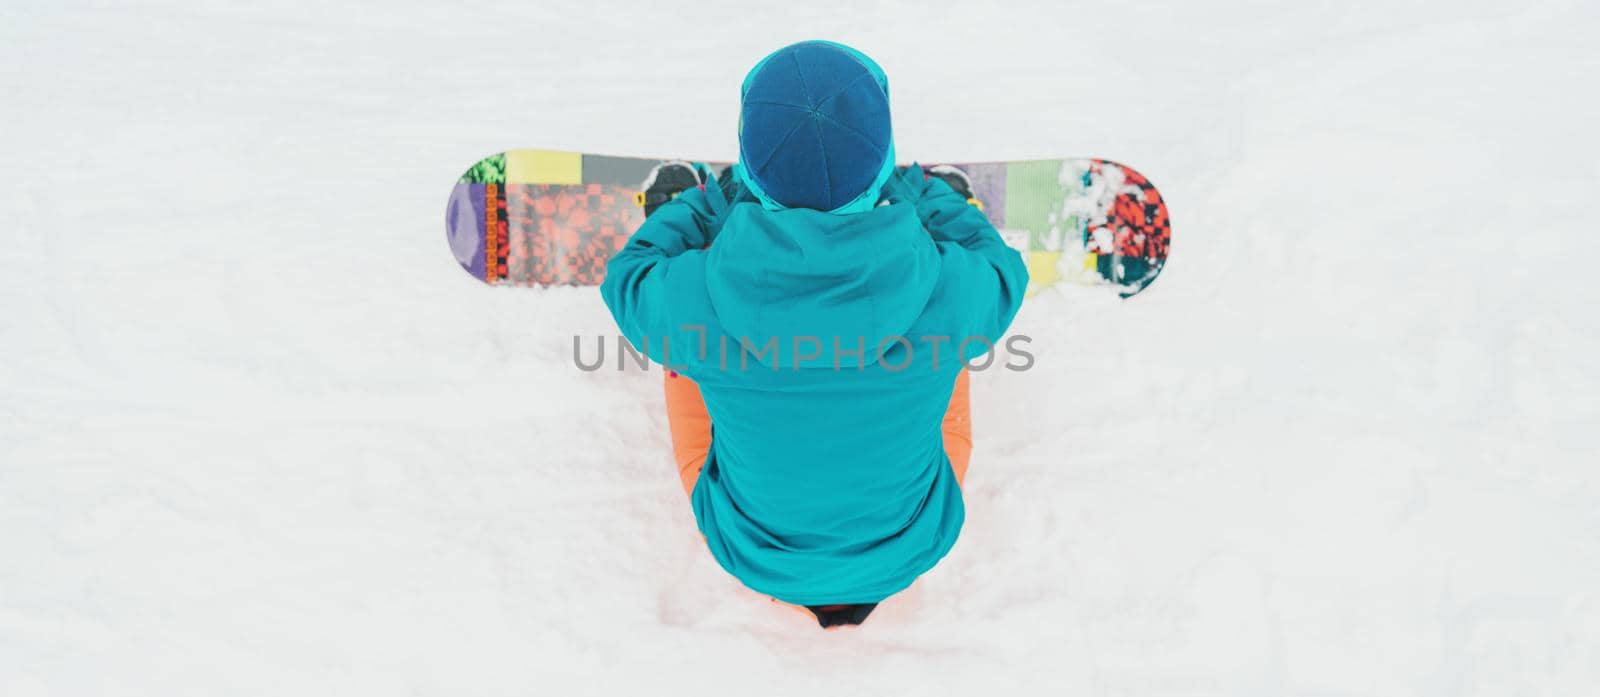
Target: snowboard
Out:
[542,218]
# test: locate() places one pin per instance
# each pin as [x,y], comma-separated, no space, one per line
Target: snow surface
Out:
[259,435]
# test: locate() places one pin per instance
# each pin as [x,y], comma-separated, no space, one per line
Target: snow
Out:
[259,435]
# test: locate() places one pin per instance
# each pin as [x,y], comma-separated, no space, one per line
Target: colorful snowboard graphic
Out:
[546,218]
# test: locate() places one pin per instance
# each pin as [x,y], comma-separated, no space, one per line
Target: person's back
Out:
[822,327]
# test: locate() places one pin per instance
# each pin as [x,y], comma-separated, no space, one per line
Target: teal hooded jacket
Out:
[826,348]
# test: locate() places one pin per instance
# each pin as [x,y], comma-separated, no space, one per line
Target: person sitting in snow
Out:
[810,305]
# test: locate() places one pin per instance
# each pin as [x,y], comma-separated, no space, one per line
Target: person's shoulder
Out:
[966,280]
[685,273]
[685,290]
[961,266]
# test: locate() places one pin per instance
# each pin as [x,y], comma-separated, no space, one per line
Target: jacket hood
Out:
[794,281]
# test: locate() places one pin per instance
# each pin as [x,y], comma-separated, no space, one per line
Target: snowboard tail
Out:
[549,218]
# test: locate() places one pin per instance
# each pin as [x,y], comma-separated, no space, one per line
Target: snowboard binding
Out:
[666,181]
[957,180]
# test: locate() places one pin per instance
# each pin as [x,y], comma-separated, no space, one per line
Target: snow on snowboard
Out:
[546,218]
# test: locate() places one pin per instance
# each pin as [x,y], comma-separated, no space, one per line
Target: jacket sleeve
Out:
[993,276]
[636,282]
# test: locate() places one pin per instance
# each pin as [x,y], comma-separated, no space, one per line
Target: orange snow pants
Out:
[691,427]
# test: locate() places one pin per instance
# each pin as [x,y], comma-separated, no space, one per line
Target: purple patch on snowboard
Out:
[464,224]
[989,185]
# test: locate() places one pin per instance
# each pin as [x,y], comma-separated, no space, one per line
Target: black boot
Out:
[665,182]
[841,615]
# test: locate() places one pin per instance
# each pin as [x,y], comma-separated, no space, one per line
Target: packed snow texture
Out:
[260,435]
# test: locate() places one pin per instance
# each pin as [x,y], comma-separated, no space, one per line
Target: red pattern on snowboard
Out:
[1138,218]
[564,234]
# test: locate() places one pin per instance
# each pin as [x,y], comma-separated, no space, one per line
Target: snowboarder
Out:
[816,306]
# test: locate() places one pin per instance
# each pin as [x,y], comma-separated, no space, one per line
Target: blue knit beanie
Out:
[814,129]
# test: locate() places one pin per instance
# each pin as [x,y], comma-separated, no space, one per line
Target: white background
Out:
[260,435]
